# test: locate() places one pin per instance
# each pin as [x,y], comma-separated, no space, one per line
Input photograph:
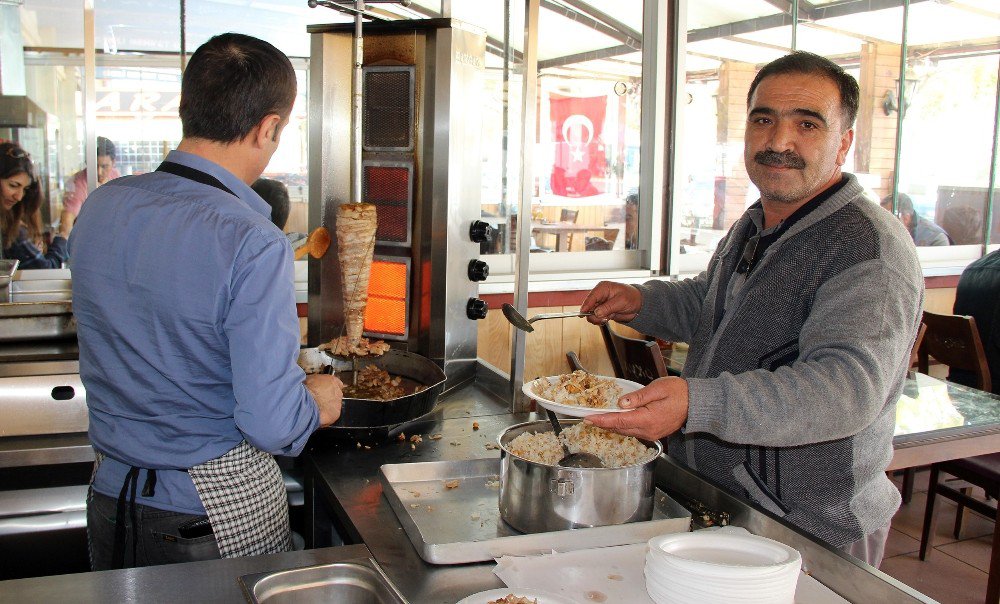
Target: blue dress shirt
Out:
[185,307]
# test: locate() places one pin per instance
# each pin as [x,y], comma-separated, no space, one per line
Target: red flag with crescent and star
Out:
[580,163]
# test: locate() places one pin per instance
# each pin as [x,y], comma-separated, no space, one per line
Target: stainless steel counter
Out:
[214,581]
[342,480]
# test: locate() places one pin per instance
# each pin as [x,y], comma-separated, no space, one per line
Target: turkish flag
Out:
[580,164]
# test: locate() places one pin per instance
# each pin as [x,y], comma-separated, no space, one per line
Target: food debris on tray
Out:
[436,437]
[475,425]
[452,484]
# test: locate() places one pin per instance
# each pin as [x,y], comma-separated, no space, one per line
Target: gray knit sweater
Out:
[793,389]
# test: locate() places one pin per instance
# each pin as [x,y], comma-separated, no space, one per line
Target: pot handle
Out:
[561,486]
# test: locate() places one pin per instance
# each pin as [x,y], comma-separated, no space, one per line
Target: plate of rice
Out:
[580,393]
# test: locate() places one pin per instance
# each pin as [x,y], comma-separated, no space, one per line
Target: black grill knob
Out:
[478,270]
[477,308]
[481,232]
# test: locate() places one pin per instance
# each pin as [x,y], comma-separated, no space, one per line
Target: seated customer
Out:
[925,232]
[21,217]
[978,295]
[106,170]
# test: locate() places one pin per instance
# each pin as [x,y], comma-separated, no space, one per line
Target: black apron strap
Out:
[126,505]
[193,174]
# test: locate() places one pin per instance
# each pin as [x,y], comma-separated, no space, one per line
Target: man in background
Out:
[924,231]
[106,170]
[978,295]
[183,292]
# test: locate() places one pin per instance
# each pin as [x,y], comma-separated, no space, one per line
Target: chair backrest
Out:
[915,349]
[954,341]
[567,215]
[638,360]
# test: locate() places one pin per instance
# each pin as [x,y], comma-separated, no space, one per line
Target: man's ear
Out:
[268,129]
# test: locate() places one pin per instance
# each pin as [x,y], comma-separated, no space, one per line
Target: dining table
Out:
[936,420]
[563,232]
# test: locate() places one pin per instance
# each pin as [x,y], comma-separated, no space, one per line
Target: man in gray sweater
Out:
[799,331]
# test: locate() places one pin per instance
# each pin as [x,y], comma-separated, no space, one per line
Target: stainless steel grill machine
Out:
[420,164]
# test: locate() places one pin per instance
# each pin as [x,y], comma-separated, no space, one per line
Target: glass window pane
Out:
[950,108]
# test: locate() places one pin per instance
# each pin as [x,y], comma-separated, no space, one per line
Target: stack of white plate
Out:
[720,566]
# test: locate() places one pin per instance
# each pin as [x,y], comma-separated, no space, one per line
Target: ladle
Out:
[572,460]
[316,244]
[523,324]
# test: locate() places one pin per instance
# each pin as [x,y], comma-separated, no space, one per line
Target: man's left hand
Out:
[660,409]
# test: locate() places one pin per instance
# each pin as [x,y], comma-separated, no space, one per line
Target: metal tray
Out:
[463,524]
[20,321]
[356,580]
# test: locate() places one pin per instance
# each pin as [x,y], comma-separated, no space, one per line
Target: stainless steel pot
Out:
[538,498]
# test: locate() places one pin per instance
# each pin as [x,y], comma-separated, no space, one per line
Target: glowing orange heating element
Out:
[386,311]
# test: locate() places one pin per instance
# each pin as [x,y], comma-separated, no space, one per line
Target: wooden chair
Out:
[954,341]
[982,471]
[632,359]
[909,474]
[915,350]
[567,215]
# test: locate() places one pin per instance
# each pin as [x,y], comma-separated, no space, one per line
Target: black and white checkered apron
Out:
[245,500]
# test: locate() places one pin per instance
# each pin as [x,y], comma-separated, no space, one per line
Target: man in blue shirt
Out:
[184,298]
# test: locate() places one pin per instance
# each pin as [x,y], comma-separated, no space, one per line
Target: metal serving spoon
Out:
[523,324]
[572,460]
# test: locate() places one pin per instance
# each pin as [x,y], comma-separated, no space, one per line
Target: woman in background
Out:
[20,214]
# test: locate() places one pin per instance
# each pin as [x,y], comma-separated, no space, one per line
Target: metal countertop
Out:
[212,581]
[345,478]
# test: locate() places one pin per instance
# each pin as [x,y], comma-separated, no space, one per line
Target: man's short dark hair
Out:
[106,148]
[809,63]
[275,193]
[231,83]
[904,205]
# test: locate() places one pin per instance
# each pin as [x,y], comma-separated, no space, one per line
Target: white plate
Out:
[576,410]
[543,597]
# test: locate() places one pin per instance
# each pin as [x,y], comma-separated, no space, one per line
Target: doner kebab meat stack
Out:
[356,224]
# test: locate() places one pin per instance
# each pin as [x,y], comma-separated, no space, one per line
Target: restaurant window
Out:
[943,105]
[137,84]
[585,193]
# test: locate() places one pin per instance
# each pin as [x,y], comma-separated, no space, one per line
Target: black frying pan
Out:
[367,420]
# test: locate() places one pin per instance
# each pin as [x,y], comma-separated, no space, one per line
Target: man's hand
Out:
[660,409]
[329,395]
[612,302]
[66,220]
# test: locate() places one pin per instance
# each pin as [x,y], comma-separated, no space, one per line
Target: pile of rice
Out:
[580,389]
[615,450]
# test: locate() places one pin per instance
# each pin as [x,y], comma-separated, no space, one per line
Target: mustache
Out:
[785,159]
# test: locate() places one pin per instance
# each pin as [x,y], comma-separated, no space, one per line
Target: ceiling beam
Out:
[589,10]
[493,46]
[785,6]
[592,23]
[592,55]
[818,13]
[975,10]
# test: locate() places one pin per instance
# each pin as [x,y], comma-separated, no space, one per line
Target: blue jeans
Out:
[159,540]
